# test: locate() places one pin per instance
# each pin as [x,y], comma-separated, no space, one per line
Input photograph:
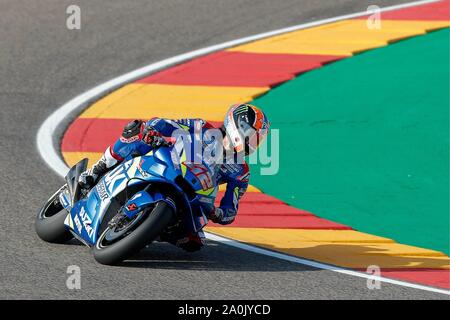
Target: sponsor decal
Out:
[130,140]
[132,207]
[63,200]
[202,173]
[78,224]
[101,190]
[87,221]
[241,109]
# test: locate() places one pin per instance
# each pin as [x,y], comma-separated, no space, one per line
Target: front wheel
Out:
[116,244]
[49,222]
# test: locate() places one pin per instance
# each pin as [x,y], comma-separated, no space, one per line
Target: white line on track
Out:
[51,156]
[318,265]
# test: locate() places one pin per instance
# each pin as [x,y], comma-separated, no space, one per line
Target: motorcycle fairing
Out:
[85,217]
[72,180]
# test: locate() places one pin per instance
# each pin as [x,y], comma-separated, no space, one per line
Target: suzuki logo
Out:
[87,221]
[132,207]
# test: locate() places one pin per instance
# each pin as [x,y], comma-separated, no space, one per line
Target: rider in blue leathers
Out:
[244,128]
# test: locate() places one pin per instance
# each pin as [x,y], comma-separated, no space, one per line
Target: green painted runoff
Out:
[365,141]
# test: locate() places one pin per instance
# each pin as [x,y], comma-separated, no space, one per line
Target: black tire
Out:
[49,224]
[153,223]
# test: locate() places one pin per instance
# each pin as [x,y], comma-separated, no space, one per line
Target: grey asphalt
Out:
[43,64]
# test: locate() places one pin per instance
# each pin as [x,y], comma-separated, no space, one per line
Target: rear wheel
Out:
[49,222]
[121,240]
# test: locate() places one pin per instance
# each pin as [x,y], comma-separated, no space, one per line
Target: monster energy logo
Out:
[241,109]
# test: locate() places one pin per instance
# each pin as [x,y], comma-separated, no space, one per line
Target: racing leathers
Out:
[140,137]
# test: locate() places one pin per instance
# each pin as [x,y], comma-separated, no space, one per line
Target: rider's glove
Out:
[152,137]
[216,215]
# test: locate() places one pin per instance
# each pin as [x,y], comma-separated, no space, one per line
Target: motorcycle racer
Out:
[245,127]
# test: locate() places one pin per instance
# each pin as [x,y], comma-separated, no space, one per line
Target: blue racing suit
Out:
[235,175]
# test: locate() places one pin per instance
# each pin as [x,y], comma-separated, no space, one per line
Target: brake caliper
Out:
[118,221]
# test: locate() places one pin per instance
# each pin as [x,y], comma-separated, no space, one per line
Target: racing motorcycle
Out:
[145,198]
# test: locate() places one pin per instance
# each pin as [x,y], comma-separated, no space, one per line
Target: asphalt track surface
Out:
[43,65]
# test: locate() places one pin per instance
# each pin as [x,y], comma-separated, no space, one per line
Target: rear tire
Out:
[49,224]
[154,222]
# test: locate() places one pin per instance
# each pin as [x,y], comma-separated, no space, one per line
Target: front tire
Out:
[49,224]
[155,220]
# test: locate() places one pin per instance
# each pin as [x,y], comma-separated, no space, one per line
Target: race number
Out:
[202,173]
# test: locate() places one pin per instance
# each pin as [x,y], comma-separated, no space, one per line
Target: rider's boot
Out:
[108,161]
[89,178]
